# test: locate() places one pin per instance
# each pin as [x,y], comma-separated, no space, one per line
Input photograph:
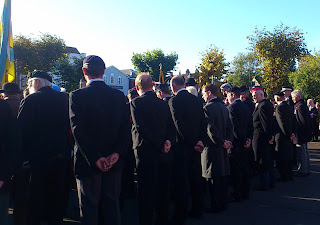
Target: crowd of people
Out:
[180,143]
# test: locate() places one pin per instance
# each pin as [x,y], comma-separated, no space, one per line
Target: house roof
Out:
[72,50]
[129,72]
[109,67]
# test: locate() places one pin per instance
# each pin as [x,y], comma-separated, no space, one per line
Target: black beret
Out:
[40,74]
[234,89]
[243,88]
[94,61]
[280,94]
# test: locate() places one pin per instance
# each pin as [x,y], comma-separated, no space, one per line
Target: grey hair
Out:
[43,82]
[192,90]
[297,93]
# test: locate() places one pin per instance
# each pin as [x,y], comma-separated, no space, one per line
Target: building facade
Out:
[116,79]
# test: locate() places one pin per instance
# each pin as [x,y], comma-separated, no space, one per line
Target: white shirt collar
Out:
[182,89]
[212,98]
[236,99]
[93,80]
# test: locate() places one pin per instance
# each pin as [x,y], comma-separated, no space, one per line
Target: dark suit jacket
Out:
[214,158]
[188,117]
[262,132]
[283,130]
[151,122]
[241,120]
[248,102]
[44,123]
[9,151]
[304,124]
[100,124]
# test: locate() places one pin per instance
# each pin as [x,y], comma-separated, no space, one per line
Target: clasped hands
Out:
[199,146]
[105,163]
[166,146]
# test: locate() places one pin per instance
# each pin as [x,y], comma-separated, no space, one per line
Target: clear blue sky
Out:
[116,29]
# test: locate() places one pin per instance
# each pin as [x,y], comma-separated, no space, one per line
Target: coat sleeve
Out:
[235,121]
[266,118]
[9,154]
[214,135]
[180,124]
[82,138]
[122,144]
[283,120]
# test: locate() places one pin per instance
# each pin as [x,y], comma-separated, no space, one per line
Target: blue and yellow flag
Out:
[7,73]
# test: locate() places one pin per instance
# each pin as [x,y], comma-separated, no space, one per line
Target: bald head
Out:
[177,83]
[143,83]
[258,95]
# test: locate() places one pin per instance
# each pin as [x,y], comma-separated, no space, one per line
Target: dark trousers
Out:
[239,168]
[20,186]
[187,175]
[218,190]
[4,207]
[105,187]
[285,169]
[154,178]
[48,192]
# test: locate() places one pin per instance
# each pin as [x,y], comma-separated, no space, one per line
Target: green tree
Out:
[69,72]
[39,53]
[213,65]
[149,61]
[278,51]
[243,69]
[307,77]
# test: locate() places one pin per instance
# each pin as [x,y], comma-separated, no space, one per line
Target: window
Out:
[111,78]
[104,77]
[119,80]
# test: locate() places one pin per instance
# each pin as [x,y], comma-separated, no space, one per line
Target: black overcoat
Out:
[214,158]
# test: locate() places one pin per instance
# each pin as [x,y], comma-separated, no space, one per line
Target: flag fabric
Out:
[161,77]
[7,73]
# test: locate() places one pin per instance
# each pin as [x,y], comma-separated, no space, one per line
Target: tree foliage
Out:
[69,72]
[213,65]
[39,53]
[243,69]
[149,61]
[278,50]
[307,77]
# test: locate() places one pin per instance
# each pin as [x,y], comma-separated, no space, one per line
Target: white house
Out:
[116,79]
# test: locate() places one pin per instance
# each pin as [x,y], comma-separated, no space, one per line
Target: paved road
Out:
[291,203]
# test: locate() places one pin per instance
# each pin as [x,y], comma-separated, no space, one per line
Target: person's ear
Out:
[84,71]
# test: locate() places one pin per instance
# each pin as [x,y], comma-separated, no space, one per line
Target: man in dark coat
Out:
[284,135]
[262,138]
[9,156]
[241,119]
[188,117]
[215,161]
[12,94]
[100,125]
[287,95]
[163,92]
[246,99]
[152,139]
[304,132]
[44,123]
[190,82]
